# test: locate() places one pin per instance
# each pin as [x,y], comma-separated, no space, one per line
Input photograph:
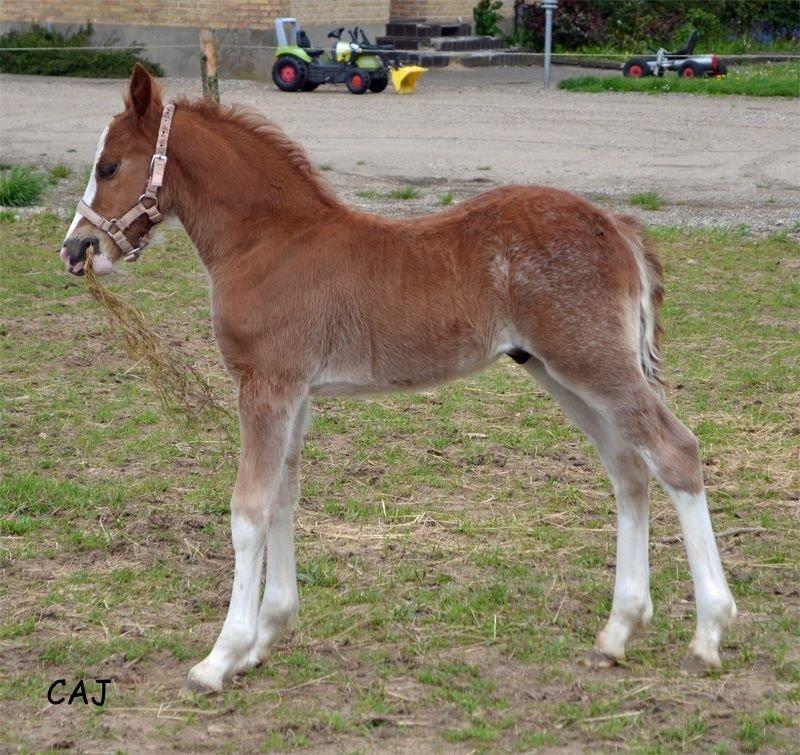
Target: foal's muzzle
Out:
[73,253]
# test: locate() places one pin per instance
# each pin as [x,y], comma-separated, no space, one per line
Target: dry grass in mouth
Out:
[181,388]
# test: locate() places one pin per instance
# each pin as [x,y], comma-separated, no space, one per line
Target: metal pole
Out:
[549,6]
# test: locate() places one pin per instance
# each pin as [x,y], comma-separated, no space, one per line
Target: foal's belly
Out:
[417,376]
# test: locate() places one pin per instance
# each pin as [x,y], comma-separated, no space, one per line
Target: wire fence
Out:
[504,51]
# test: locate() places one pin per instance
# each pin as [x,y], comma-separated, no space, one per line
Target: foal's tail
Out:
[652,294]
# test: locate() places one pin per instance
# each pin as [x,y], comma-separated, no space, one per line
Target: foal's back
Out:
[369,303]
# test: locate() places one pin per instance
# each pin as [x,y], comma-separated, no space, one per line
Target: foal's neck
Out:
[237,184]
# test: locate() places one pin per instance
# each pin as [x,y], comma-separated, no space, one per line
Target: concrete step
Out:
[456,30]
[471,59]
[425,59]
[497,58]
[464,44]
[413,29]
[442,44]
[406,43]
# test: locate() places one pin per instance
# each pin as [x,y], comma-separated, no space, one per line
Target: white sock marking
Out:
[632,604]
[715,606]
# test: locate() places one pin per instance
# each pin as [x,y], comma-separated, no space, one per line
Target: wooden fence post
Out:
[208,65]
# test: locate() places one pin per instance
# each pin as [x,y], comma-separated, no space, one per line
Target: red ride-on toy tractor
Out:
[358,64]
[684,62]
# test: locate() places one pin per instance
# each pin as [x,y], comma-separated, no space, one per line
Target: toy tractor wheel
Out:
[691,70]
[378,82]
[722,69]
[289,73]
[358,81]
[636,68]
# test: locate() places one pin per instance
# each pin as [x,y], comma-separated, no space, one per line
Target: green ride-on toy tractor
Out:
[359,64]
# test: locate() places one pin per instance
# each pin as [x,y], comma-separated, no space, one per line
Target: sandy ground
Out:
[725,160]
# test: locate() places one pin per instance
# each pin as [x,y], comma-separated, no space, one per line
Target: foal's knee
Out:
[629,475]
[680,466]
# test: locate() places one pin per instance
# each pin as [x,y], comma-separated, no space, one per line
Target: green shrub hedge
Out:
[66,60]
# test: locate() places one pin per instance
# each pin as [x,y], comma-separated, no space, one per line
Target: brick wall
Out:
[330,12]
[219,14]
[231,14]
[437,10]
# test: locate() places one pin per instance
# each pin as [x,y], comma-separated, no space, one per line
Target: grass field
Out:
[775,80]
[455,549]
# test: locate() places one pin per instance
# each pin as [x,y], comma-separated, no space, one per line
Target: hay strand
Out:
[180,387]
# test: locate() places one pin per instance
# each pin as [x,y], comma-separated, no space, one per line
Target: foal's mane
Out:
[270,134]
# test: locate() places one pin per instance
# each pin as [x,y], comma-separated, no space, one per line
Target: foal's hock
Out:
[311,297]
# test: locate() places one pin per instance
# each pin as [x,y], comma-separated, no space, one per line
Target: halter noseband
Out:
[115,228]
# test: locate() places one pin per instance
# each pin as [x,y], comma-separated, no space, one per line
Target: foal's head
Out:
[118,178]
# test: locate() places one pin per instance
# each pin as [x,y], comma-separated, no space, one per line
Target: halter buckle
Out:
[158,164]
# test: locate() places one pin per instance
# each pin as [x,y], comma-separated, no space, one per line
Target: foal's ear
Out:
[143,91]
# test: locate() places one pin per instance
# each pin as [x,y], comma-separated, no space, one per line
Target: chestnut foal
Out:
[311,297]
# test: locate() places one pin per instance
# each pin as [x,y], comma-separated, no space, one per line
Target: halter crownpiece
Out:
[115,228]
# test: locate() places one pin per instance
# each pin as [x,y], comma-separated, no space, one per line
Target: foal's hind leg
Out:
[671,452]
[632,606]
[266,422]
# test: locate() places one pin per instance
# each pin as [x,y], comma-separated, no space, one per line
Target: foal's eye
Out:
[106,170]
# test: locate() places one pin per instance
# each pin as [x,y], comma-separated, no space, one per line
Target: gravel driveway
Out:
[714,161]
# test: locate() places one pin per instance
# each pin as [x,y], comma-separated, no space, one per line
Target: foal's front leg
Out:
[279,606]
[265,430]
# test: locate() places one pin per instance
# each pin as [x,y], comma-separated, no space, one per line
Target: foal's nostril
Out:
[86,242]
[77,248]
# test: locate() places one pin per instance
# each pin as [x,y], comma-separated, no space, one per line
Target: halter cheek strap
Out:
[148,201]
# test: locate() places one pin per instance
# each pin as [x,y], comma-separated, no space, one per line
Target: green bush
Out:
[725,26]
[486,15]
[67,61]
[21,186]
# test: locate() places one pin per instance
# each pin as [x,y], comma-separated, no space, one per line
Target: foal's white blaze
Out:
[101,263]
[91,187]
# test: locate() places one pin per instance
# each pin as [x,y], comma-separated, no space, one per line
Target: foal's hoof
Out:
[202,680]
[694,665]
[197,687]
[597,659]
